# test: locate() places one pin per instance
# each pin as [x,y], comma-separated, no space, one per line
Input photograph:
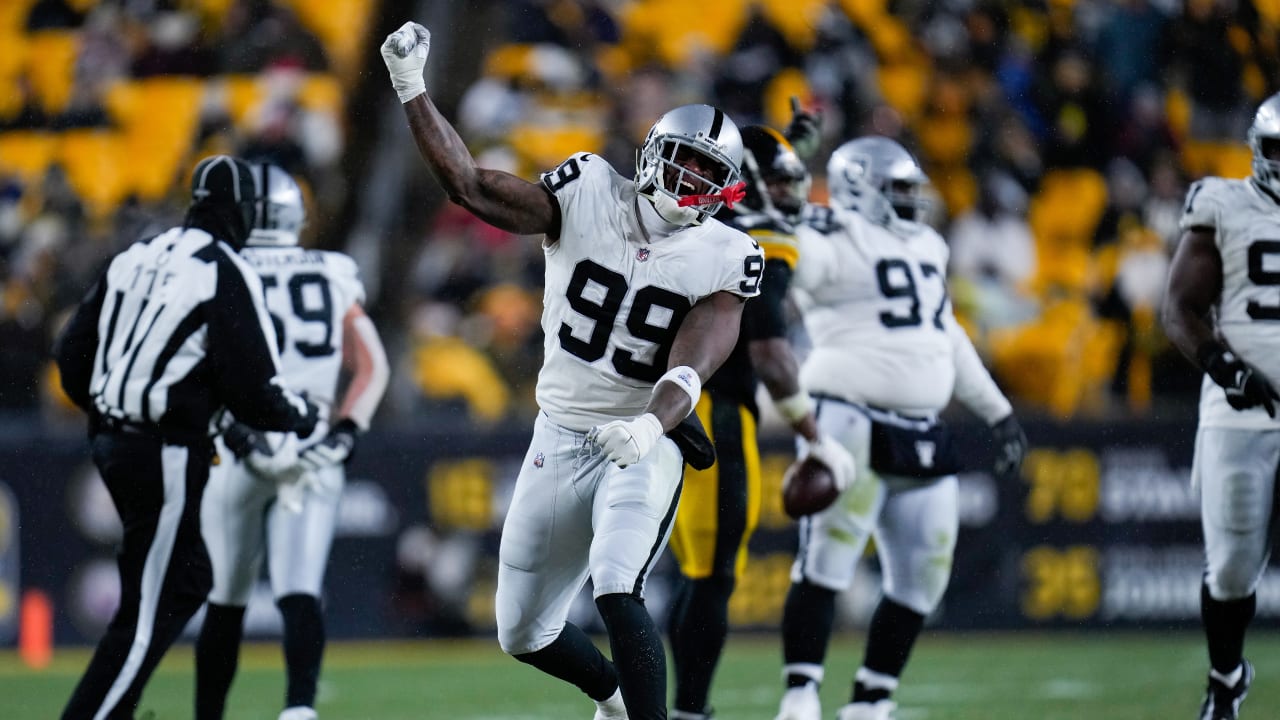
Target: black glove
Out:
[241,440]
[1245,387]
[307,417]
[805,131]
[1011,447]
[335,449]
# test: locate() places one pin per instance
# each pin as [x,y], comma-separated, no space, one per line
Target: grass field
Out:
[952,676]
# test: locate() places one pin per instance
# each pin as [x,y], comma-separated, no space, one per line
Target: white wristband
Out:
[793,409]
[685,378]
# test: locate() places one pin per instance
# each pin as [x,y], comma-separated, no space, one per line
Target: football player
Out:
[643,296]
[271,493]
[719,506]
[1221,311]
[887,357]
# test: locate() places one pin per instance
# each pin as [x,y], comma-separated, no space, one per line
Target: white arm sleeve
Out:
[975,388]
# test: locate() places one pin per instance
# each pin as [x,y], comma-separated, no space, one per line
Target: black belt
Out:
[121,426]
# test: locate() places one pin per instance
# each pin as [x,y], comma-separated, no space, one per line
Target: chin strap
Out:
[729,196]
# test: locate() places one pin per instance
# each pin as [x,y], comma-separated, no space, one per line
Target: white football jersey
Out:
[613,301]
[876,309]
[308,294]
[1247,233]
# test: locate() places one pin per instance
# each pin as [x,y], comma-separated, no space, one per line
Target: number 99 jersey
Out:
[1246,225]
[308,293]
[613,300]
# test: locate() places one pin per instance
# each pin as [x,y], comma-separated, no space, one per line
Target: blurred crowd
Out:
[1060,137]
[105,106]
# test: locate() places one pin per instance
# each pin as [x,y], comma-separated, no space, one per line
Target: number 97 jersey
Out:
[308,294]
[613,301]
[1246,225]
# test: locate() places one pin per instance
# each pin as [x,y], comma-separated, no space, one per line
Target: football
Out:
[808,487]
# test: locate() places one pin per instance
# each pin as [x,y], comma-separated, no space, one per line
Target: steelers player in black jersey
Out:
[719,507]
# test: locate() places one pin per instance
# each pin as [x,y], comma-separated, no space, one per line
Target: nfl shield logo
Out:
[642,254]
[538,460]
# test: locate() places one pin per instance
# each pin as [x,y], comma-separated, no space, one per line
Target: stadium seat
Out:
[446,368]
[12,62]
[13,16]
[97,163]
[53,76]
[786,84]
[341,26]
[945,139]
[1068,206]
[27,153]
[864,12]
[660,29]
[542,146]
[904,86]
[797,20]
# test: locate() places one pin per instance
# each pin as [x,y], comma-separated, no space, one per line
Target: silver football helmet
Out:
[1264,140]
[281,214]
[690,134]
[878,178]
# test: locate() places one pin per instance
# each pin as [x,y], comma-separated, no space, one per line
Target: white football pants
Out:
[914,522]
[576,515]
[1235,470]
[240,518]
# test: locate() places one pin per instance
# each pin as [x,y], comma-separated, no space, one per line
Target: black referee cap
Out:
[222,179]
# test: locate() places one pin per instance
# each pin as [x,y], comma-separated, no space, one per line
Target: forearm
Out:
[975,388]
[442,148]
[703,343]
[365,357]
[1186,328]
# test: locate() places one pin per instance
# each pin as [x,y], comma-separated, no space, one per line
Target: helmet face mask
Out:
[279,214]
[1264,141]
[878,178]
[691,150]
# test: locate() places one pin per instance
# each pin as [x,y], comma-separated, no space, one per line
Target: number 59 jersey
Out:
[1246,224]
[308,293]
[613,301]
[875,306]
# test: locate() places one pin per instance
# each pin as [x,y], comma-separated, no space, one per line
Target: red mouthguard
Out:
[729,196]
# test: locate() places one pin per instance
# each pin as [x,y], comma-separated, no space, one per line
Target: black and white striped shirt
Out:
[175,329]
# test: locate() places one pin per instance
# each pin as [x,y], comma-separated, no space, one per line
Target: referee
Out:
[174,331]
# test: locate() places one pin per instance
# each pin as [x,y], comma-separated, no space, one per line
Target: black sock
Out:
[217,656]
[572,657]
[890,637]
[807,618]
[638,654]
[698,635]
[1225,623]
[303,647]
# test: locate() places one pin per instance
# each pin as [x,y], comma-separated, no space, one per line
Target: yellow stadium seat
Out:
[509,61]
[163,131]
[321,93]
[97,164]
[1068,206]
[661,29]
[904,86]
[243,95]
[892,40]
[945,139]
[864,12]
[786,84]
[342,27]
[542,147]
[446,368]
[1177,110]
[1233,161]
[797,20]
[27,153]
[957,187]
[53,75]
[13,15]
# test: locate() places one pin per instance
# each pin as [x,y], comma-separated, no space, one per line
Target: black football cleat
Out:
[1222,702]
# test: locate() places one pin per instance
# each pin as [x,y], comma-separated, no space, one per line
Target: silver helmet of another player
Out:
[878,178]
[1264,141]
[281,213]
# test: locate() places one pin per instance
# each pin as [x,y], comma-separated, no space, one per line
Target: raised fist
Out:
[405,54]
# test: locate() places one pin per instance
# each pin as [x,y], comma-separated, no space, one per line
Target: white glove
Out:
[405,53]
[334,449]
[626,442]
[834,455]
